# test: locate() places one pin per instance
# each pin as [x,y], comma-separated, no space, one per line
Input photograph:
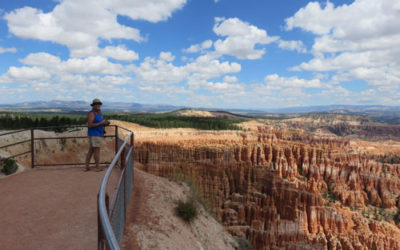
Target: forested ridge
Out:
[16,120]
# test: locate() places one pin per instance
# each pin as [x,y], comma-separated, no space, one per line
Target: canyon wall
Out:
[284,190]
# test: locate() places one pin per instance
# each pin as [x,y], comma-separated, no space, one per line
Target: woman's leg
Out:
[88,157]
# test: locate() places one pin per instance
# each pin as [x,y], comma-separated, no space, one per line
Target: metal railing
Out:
[111,217]
[33,138]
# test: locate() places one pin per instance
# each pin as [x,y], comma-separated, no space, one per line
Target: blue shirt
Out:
[99,130]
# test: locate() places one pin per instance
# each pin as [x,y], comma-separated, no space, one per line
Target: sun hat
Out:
[96,101]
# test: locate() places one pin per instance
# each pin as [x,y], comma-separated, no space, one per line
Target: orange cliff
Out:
[282,189]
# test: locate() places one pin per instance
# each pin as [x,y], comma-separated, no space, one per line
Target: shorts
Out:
[95,141]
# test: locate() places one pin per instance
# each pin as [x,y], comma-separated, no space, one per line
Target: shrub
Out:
[243,244]
[396,217]
[9,166]
[196,193]
[187,210]
[63,143]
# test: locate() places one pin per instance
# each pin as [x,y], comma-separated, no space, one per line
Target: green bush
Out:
[396,217]
[187,210]
[9,166]
[243,244]
[196,193]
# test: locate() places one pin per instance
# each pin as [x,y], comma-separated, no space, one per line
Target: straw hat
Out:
[96,101]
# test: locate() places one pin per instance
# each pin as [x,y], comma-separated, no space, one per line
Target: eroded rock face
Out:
[285,190]
[347,125]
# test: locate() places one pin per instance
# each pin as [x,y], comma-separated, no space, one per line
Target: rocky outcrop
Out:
[285,190]
[347,125]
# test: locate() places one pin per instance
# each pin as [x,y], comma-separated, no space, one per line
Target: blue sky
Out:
[202,53]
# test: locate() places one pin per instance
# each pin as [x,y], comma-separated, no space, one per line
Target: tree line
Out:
[174,121]
[14,120]
[10,121]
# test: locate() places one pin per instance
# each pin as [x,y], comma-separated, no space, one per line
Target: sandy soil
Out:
[196,113]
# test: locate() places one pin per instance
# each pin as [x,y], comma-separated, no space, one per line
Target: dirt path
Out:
[49,209]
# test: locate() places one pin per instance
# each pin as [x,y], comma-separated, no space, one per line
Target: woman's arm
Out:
[91,124]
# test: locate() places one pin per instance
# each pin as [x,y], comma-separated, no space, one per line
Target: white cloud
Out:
[120,53]
[111,80]
[162,71]
[343,61]
[336,92]
[71,24]
[159,71]
[313,18]
[50,68]
[206,67]
[27,73]
[149,10]
[41,59]
[4,50]
[224,87]
[230,79]
[277,82]
[167,56]
[358,41]
[361,19]
[199,47]
[91,65]
[241,38]
[375,76]
[292,45]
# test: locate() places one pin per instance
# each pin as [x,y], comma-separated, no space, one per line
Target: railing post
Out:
[133,154]
[123,162]
[100,233]
[116,139]
[101,244]
[108,204]
[123,167]
[124,196]
[32,148]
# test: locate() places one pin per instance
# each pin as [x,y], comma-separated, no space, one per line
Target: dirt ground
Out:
[49,209]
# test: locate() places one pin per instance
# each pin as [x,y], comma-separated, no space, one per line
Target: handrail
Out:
[105,222]
[33,139]
[124,128]
[14,132]
[64,126]
[14,144]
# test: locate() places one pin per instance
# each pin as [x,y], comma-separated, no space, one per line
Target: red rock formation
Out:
[285,190]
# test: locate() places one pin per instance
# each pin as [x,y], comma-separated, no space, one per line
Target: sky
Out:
[201,53]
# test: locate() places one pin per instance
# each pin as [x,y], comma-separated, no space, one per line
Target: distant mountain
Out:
[350,109]
[68,106]
[389,114]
